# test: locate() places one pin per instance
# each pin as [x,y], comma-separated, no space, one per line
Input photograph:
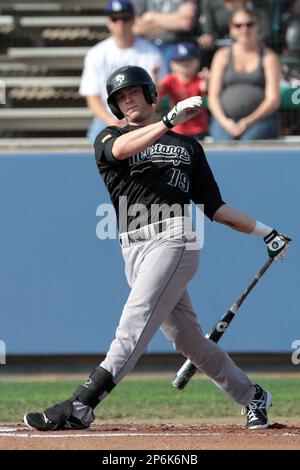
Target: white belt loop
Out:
[146,233]
[124,241]
[151,230]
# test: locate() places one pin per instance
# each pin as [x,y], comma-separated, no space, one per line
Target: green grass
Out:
[149,399]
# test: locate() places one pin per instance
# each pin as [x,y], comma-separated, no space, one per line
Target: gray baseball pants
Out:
[158,270]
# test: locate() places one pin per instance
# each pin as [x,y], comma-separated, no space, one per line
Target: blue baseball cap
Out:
[185,50]
[119,6]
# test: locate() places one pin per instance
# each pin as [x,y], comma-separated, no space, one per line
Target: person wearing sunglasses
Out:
[244,92]
[216,17]
[119,49]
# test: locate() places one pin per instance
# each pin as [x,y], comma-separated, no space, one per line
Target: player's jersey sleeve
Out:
[204,187]
[103,146]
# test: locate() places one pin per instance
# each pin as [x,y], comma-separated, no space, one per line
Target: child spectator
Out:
[186,81]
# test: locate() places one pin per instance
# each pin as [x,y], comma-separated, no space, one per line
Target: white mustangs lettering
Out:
[159,153]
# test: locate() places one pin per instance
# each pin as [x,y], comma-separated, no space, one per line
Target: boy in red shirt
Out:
[184,82]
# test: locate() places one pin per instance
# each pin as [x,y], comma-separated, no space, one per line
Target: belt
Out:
[142,234]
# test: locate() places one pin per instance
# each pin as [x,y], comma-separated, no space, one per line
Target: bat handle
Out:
[184,375]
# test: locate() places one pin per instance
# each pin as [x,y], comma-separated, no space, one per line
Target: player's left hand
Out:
[183,111]
[277,245]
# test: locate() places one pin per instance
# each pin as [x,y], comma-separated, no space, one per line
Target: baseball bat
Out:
[188,369]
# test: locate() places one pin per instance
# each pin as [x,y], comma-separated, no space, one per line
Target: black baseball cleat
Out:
[40,422]
[257,409]
[55,418]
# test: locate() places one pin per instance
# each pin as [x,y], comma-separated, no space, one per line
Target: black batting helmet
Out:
[129,75]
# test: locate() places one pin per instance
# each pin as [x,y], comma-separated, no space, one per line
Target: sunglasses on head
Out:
[126,18]
[250,24]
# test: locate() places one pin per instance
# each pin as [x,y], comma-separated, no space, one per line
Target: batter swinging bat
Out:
[188,369]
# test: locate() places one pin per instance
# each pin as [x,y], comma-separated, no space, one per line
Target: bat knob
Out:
[184,375]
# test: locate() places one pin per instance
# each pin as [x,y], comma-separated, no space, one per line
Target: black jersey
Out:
[171,172]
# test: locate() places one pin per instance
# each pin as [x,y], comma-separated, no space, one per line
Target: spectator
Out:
[216,20]
[244,92]
[184,82]
[166,22]
[121,48]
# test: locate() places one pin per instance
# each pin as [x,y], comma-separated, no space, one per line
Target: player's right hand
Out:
[183,111]
[277,245]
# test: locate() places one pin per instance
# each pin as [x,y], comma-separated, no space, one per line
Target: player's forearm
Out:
[277,243]
[236,220]
[136,141]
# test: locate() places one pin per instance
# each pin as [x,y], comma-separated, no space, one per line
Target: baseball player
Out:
[148,166]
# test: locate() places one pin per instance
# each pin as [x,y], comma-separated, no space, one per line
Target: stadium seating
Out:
[41,57]
[42,48]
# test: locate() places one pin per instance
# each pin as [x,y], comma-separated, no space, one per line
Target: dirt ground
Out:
[283,436]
